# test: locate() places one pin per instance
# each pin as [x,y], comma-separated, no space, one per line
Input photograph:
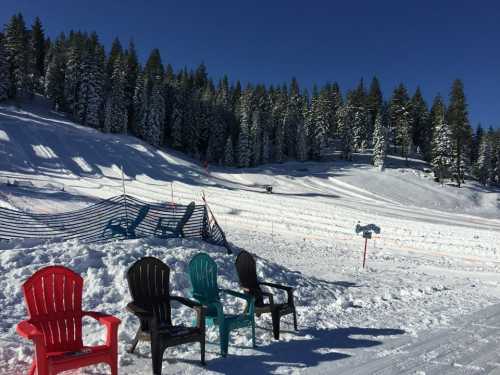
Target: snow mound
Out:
[103,268]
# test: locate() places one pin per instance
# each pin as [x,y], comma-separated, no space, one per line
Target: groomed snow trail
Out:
[427,303]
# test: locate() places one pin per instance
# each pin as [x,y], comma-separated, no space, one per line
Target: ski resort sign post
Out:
[367,231]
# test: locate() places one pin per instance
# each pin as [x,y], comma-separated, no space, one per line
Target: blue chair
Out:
[203,274]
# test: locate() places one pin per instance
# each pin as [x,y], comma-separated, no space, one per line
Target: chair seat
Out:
[283,308]
[85,352]
[179,330]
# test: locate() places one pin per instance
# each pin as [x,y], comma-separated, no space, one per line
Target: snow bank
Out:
[105,289]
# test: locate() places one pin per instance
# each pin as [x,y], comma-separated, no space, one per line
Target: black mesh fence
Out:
[120,217]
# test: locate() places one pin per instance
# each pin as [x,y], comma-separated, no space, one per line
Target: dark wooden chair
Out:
[148,281]
[247,273]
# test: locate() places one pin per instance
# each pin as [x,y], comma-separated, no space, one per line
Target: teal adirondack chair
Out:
[203,274]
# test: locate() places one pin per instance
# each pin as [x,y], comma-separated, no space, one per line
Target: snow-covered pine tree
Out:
[140,106]
[484,162]
[345,119]
[374,101]
[54,76]
[72,73]
[302,146]
[229,153]
[17,46]
[132,71]
[379,143]
[442,150]
[38,47]
[421,125]
[400,119]
[91,87]
[458,119]
[116,113]
[4,72]
[244,146]
[156,115]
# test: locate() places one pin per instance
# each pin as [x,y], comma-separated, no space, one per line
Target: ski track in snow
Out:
[427,303]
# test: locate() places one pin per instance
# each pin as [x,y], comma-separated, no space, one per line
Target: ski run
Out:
[426,303]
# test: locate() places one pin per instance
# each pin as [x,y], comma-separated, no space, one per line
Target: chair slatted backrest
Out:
[203,275]
[247,270]
[53,297]
[148,282]
[247,273]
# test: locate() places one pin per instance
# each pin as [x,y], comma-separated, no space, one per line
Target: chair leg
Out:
[113,364]
[276,324]
[224,340]
[134,342]
[253,333]
[156,356]
[202,351]
[295,319]
[32,368]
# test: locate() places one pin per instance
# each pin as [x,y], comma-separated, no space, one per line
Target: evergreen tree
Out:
[379,143]
[484,165]
[401,120]
[4,72]
[374,103]
[116,110]
[39,49]
[91,88]
[345,120]
[54,76]
[18,57]
[458,119]
[421,125]
[442,150]
[244,147]
[476,143]
[72,73]
[156,115]
[132,72]
[302,146]
[229,153]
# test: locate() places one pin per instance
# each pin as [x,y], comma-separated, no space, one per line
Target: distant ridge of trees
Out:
[227,124]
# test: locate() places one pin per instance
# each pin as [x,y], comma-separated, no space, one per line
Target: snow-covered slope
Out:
[437,258]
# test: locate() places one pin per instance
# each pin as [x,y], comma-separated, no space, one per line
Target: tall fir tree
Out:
[4,71]
[17,46]
[39,50]
[458,118]
[116,109]
[374,101]
[484,165]
[379,143]
[442,150]
[244,146]
[229,153]
[54,76]
[401,120]
[421,125]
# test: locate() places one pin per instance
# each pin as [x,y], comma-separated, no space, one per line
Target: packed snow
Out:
[427,302]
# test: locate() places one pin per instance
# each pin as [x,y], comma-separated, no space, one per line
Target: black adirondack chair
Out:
[148,281]
[247,273]
[173,229]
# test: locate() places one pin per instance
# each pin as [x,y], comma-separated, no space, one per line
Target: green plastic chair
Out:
[203,274]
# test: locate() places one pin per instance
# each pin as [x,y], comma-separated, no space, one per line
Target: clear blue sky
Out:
[426,43]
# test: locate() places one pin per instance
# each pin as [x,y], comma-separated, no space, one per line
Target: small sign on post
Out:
[367,231]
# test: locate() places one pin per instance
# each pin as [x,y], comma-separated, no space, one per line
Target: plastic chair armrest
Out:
[28,330]
[186,302]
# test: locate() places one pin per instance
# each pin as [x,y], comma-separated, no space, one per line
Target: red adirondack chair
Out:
[53,296]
